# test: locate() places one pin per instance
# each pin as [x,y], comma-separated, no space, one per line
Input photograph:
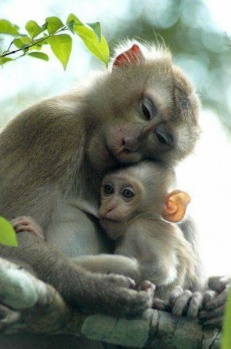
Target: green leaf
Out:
[37,47]
[53,24]
[22,41]
[4,60]
[70,26]
[98,48]
[18,43]
[7,27]
[61,46]
[7,233]
[226,335]
[90,38]
[33,29]
[96,29]
[73,19]
[39,55]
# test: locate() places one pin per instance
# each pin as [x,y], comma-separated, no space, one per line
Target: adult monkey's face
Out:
[144,108]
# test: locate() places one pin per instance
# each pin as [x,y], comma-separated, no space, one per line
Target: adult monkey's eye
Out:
[128,193]
[148,108]
[108,189]
[163,135]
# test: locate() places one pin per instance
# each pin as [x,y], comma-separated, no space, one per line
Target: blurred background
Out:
[199,35]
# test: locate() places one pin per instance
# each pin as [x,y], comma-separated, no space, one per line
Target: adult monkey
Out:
[54,155]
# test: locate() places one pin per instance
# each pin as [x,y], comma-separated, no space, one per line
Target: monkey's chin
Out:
[113,156]
[110,160]
[112,227]
[126,157]
[107,221]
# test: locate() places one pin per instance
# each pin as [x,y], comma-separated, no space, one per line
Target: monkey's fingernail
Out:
[151,288]
[132,283]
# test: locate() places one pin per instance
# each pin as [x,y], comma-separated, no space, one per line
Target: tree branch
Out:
[31,306]
[33,43]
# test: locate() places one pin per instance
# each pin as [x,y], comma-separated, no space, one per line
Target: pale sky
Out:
[220,10]
[206,175]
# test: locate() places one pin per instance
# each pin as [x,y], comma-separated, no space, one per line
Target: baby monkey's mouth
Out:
[109,221]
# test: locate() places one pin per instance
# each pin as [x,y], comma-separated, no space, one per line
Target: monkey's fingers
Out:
[147,286]
[213,323]
[217,301]
[138,303]
[179,303]
[219,283]
[176,292]
[26,220]
[194,305]
[213,309]
[30,229]
[120,280]
[208,315]
[28,224]
[213,318]
[7,316]
[208,296]
[113,295]
[135,301]
[159,304]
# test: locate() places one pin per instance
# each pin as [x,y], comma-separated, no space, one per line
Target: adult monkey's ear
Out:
[175,206]
[126,58]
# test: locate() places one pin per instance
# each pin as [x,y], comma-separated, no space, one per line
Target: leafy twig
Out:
[61,44]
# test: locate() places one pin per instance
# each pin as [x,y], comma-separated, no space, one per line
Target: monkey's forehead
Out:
[124,177]
[117,176]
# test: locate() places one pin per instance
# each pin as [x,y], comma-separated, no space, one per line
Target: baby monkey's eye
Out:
[108,189]
[128,193]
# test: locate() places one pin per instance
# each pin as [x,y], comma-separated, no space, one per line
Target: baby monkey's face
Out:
[120,197]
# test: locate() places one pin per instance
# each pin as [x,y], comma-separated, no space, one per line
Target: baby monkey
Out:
[139,210]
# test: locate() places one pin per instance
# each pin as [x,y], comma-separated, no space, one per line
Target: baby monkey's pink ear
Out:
[175,206]
[133,55]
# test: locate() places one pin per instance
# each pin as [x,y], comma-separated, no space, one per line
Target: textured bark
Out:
[30,306]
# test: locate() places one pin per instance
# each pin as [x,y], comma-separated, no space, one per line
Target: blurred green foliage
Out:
[7,233]
[226,341]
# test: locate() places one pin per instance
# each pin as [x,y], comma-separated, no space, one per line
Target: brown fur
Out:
[53,157]
[163,255]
